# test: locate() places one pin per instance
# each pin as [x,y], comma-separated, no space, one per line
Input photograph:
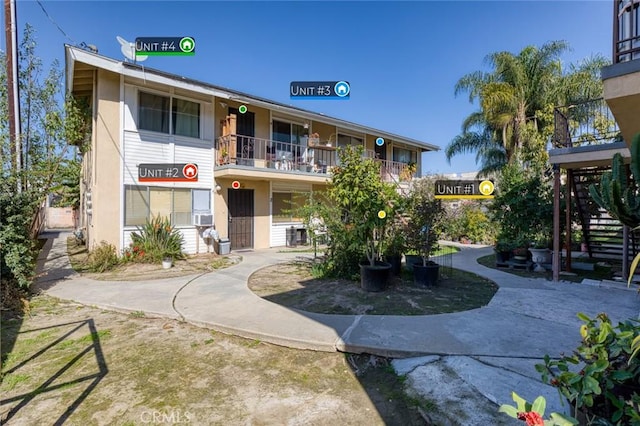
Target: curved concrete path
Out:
[483,354]
[527,318]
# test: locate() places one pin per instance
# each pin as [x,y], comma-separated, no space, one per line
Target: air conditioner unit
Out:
[203,219]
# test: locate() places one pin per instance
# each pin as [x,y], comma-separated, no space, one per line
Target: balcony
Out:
[313,159]
[622,78]
[626,39]
[585,134]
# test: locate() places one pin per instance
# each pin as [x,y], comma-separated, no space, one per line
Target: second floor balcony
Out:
[626,30]
[317,159]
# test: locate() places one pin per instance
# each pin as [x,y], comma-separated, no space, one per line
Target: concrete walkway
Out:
[493,348]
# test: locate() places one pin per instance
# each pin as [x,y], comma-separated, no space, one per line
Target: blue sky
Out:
[401,58]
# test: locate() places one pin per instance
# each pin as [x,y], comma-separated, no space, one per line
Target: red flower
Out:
[532,418]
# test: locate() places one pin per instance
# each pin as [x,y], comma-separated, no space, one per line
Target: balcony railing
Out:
[626,38]
[264,153]
[585,123]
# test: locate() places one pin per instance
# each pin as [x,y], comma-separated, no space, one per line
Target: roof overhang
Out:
[588,155]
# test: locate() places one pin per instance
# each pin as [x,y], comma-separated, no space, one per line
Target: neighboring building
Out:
[622,78]
[147,124]
[587,136]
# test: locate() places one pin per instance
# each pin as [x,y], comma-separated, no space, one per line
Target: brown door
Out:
[241,218]
[246,130]
[381,151]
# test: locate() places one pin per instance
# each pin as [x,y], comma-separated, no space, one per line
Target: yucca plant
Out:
[157,239]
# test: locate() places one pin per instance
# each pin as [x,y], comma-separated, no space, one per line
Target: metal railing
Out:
[264,153]
[586,123]
[626,39]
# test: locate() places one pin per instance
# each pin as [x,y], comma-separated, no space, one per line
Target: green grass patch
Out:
[10,381]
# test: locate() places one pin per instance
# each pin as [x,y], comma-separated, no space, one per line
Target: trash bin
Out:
[222,246]
[303,236]
[292,237]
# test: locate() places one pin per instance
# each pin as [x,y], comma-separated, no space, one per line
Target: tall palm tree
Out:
[513,98]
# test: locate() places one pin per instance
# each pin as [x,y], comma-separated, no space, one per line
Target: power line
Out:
[55,23]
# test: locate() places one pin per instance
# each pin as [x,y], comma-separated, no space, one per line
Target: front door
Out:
[246,131]
[241,218]
[381,151]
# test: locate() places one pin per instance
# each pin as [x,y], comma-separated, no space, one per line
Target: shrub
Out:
[601,379]
[469,221]
[103,258]
[156,240]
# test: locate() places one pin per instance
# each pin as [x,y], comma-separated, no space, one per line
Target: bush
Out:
[469,221]
[103,258]
[157,239]
[601,378]
[17,250]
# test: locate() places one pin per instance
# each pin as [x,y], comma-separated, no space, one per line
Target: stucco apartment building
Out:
[206,156]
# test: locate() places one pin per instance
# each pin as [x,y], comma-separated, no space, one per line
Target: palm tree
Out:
[516,101]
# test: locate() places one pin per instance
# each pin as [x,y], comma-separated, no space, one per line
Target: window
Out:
[141,202]
[404,155]
[288,132]
[186,118]
[344,140]
[153,115]
[284,205]
[201,200]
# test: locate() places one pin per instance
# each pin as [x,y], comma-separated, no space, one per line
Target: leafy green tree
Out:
[350,209]
[49,121]
[516,100]
[523,206]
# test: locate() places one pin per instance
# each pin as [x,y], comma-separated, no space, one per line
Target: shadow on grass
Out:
[48,385]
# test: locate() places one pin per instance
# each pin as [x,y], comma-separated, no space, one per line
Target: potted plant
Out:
[395,248]
[423,231]
[167,261]
[504,250]
[224,156]
[540,253]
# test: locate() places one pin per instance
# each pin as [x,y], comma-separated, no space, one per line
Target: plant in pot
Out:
[395,247]
[504,250]
[540,253]
[423,231]
[365,205]
[521,250]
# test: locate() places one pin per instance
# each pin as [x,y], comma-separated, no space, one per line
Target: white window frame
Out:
[171,97]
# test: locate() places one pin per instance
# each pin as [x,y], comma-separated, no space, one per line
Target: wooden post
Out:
[556,223]
[13,95]
[567,240]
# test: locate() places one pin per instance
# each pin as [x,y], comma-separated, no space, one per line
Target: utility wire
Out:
[55,23]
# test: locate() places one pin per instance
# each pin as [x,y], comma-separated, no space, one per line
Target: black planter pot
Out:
[396,263]
[411,259]
[503,256]
[426,276]
[374,278]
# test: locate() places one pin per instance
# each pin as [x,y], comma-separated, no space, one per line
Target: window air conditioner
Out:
[203,219]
